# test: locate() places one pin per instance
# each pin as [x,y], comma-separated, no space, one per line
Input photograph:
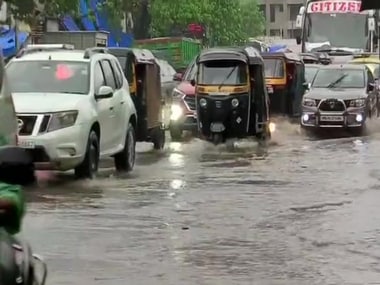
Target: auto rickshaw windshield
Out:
[274,68]
[223,72]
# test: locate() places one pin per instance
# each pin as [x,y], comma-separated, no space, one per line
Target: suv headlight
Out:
[62,120]
[177,94]
[309,102]
[357,103]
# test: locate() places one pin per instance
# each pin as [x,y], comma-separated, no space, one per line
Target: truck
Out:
[178,51]
[80,39]
[336,27]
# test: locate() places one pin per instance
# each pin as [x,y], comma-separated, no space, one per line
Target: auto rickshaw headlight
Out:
[235,102]
[176,112]
[203,102]
[309,102]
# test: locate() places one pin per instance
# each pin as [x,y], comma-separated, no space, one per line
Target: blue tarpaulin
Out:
[69,23]
[8,43]
[86,22]
[278,48]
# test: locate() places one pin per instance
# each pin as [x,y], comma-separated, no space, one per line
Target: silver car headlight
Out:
[62,120]
[177,94]
[357,103]
[309,102]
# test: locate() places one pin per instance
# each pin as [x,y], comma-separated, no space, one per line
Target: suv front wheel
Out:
[89,166]
[125,160]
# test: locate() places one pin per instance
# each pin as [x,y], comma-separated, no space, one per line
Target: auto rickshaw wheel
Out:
[158,138]
[175,132]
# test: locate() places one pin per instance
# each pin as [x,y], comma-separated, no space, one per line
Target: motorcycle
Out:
[18,264]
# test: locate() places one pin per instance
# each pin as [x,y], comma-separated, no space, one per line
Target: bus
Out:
[336,26]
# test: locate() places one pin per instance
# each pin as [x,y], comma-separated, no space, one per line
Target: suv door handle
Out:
[111,108]
[122,102]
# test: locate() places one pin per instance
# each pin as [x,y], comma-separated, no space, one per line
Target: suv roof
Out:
[63,54]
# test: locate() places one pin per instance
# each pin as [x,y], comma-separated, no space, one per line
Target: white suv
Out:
[73,108]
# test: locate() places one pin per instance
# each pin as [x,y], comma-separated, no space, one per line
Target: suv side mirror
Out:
[298,40]
[307,85]
[104,92]
[178,76]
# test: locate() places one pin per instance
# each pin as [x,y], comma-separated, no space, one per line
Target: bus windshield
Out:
[226,72]
[337,24]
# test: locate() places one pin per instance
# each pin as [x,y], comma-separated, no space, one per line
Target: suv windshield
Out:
[346,78]
[49,77]
[226,72]
[310,72]
[274,68]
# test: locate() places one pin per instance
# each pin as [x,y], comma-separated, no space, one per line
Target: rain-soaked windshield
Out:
[323,21]
[310,72]
[226,72]
[274,68]
[48,77]
[347,78]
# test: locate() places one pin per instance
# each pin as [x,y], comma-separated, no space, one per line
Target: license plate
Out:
[217,127]
[26,144]
[332,118]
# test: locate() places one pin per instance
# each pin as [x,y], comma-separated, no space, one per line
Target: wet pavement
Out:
[298,212]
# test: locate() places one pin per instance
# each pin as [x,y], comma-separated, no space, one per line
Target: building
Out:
[280,16]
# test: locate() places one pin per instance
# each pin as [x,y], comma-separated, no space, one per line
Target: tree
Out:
[226,20]
[253,18]
[23,9]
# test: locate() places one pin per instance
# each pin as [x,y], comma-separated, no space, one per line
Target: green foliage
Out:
[253,17]
[22,9]
[228,22]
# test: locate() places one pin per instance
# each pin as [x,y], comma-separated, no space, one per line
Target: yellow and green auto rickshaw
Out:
[231,99]
[372,62]
[143,74]
[286,84]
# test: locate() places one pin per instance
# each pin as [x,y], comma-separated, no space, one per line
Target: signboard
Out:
[334,7]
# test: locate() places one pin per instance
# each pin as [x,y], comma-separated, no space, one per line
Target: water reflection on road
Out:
[298,212]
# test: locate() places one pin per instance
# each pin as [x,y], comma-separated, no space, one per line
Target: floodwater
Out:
[300,211]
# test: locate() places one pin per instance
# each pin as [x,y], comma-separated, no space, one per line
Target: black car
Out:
[340,96]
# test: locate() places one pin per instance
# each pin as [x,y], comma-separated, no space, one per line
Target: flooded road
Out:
[299,212]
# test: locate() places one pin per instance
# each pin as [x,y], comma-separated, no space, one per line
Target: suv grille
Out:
[190,101]
[332,105]
[27,125]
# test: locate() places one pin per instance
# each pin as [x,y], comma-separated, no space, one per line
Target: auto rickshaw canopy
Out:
[248,55]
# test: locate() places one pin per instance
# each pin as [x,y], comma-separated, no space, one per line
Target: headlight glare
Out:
[357,103]
[309,102]
[62,120]
[176,112]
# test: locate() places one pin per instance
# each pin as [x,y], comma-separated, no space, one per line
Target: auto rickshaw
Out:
[372,62]
[286,84]
[143,74]
[231,99]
